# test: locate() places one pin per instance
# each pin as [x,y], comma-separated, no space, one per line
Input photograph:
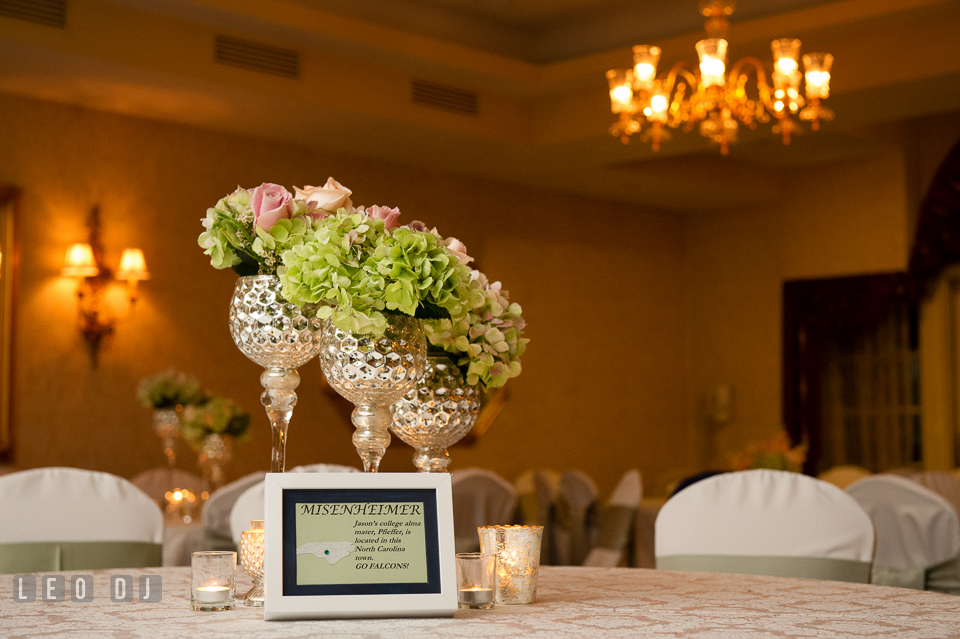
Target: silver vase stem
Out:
[371,437]
[432,460]
[279,398]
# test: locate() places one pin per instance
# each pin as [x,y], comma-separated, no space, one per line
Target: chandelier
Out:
[715,100]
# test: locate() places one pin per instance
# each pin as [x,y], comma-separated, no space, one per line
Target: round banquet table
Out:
[571,602]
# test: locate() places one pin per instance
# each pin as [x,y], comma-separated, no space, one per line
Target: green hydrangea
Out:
[169,389]
[488,341]
[359,270]
[218,416]
[233,240]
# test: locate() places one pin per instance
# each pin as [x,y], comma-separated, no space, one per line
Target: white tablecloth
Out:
[571,602]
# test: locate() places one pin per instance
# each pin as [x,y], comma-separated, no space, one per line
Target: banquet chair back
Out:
[72,519]
[480,498]
[843,476]
[918,533]
[944,484]
[157,482]
[616,523]
[249,505]
[216,512]
[537,497]
[576,515]
[766,522]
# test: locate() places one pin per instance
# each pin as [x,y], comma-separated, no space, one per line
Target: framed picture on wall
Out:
[8,266]
[358,545]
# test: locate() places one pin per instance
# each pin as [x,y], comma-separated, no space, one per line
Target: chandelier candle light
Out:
[716,100]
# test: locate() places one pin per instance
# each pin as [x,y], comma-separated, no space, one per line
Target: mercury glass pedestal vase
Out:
[436,414]
[215,452]
[166,424]
[373,373]
[280,337]
[251,558]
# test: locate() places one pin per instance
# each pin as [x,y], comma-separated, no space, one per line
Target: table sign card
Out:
[359,545]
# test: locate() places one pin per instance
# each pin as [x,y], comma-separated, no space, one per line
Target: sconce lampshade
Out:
[79,261]
[132,266]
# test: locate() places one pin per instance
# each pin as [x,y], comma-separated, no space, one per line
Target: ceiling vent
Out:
[254,56]
[49,13]
[439,96]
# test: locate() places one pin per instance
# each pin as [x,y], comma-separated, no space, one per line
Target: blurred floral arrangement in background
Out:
[217,416]
[775,453]
[169,389]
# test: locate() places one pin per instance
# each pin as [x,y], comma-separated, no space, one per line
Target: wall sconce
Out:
[84,261]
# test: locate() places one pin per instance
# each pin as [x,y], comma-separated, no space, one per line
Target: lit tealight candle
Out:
[475,596]
[212,594]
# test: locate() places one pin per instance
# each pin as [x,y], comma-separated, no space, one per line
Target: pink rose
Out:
[456,247]
[270,203]
[329,197]
[388,215]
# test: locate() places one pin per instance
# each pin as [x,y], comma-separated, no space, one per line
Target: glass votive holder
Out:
[518,560]
[476,580]
[214,580]
[251,558]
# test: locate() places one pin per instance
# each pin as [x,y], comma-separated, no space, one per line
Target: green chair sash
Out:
[914,578]
[809,567]
[944,577]
[50,556]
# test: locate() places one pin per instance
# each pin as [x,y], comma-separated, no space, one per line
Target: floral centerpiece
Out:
[218,416]
[211,428]
[169,389]
[167,393]
[775,453]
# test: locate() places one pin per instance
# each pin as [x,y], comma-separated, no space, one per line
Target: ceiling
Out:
[535,69]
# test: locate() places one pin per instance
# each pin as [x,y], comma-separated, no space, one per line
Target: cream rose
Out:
[330,197]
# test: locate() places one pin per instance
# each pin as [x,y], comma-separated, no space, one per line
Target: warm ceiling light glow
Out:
[132,266]
[718,98]
[645,59]
[713,52]
[79,261]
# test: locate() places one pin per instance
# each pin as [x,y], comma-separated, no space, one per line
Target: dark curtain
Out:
[815,311]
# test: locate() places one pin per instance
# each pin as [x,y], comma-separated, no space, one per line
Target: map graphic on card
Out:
[332,551]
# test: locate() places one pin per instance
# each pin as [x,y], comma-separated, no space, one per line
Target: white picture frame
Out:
[299,586]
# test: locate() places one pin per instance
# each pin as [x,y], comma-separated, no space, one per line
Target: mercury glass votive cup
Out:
[251,558]
[518,560]
[476,580]
[214,580]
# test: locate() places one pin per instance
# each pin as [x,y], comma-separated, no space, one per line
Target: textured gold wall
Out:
[601,284]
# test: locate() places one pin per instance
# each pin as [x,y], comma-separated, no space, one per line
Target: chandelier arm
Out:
[739,76]
[681,70]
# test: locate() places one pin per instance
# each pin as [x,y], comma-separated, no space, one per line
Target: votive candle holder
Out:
[476,580]
[518,560]
[213,580]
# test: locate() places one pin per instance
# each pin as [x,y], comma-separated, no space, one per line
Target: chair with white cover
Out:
[576,514]
[249,505]
[157,482]
[945,484]
[843,476]
[70,519]
[616,523]
[480,498]
[918,534]
[766,522]
[216,512]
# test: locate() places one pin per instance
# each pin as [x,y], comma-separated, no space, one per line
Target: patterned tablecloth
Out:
[571,602]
